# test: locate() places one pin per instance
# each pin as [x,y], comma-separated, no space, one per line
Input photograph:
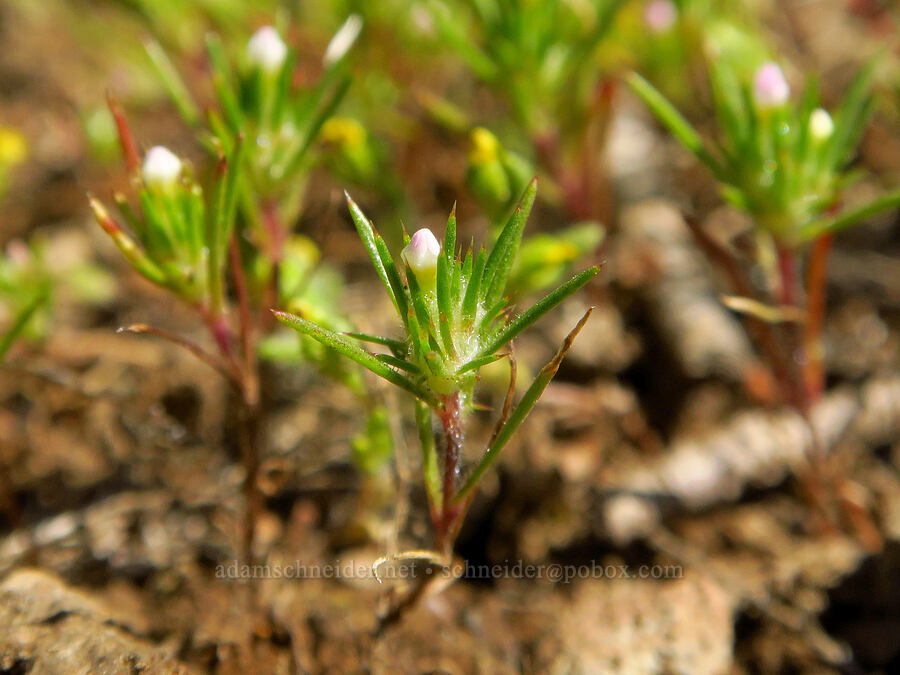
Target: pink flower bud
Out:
[421,255]
[770,88]
[660,15]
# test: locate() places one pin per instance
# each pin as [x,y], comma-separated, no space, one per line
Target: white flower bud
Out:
[660,15]
[421,256]
[342,41]
[821,126]
[266,49]
[161,169]
[770,88]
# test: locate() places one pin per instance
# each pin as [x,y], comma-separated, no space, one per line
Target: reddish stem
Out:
[447,525]
[276,234]
[788,297]
[815,304]
[787,266]
[246,323]
[758,329]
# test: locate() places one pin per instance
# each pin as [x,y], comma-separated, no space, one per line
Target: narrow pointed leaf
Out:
[173,83]
[672,120]
[470,299]
[521,411]
[540,308]
[222,82]
[502,256]
[450,236]
[852,216]
[427,330]
[445,302]
[343,345]
[395,346]
[475,364]
[129,248]
[21,321]
[429,456]
[402,364]
[390,280]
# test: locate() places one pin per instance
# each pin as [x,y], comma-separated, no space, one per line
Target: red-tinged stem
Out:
[126,138]
[787,265]
[8,505]
[251,413]
[217,363]
[758,329]
[244,318]
[788,297]
[221,335]
[249,423]
[446,526]
[815,304]
[276,234]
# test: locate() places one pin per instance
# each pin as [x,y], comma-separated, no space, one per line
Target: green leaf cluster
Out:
[451,331]
[773,162]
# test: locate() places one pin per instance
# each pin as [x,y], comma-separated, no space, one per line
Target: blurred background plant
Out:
[30,281]
[188,239]
[786,165]
[544,59]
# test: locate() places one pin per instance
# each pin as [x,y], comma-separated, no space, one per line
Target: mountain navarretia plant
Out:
[456,318]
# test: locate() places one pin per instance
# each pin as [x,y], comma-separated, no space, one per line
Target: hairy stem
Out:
[446,525]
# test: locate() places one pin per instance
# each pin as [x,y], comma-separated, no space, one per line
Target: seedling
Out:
[785,164]
[456,318]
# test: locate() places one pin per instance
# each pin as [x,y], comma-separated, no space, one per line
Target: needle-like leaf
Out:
[518,415]
[343,345]
[537,310]
[381,258]
[21,321]
[673,120]
[429,456]
[396,346]
[851,216]
[502,256]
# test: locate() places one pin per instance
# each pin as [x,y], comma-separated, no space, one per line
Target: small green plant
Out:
[542,58]
[30,285]
[456,318]
[786,166]
[194,240]
[20,301]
